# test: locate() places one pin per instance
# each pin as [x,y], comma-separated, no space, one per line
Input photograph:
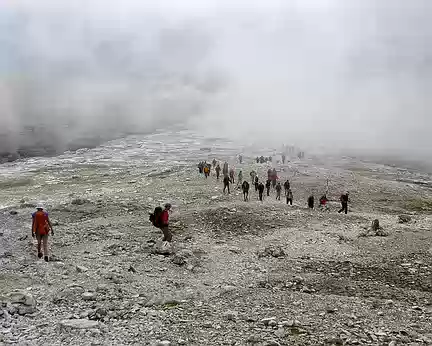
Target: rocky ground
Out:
[238,273]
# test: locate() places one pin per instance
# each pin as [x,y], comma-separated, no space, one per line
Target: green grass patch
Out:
[419,204]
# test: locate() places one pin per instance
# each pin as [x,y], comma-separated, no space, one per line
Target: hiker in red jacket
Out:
[41,226]
[164,223]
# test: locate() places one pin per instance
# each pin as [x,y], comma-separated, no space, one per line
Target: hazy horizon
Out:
[334,74]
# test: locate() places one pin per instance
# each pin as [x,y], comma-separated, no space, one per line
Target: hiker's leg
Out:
[45,244]
[167,233]
[39,243]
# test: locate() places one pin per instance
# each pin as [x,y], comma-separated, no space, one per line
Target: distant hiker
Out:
[252,176]
[226,181]
[240,177]
[261,191]
[270,159]
[240,158]
[269,174]
[201,167]
[311,201]
[289,197]
[287,186]
[278,191]
[206,171]
[164,223]
[268,185]
[231,175]
[225,169]
[256,184]
[214,162]
[257,159]
[274,177]
[245,188]
[41,226]
[283,158]
[344,198]
[217,169]
[261,159]
[323,202]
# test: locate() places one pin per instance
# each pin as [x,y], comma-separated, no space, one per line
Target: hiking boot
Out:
[40,255]
[46,258]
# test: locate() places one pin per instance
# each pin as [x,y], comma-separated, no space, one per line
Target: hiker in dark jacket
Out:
[311,202]
[344,198]
[245,188]
[287,186]
[226,181]
[289,197]
[261,191]
[217,169]
[278,191]
[268,185]
[256,183]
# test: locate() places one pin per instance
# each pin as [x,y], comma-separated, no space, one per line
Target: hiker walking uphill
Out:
[344,198]
[160,219]
[231,175]
[225,169]
[283,158]
[206,171]
[311,202]
[289,197]
[268,185]
[278,191]
[41,226]
[226,182]
[256,184]
[253,175]
[287,186]
[260,191]
[240,177]
[323,202]
[245,188]
[214,162]
[217,169]
[274,177]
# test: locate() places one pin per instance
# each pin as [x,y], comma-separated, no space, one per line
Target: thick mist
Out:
[330,75]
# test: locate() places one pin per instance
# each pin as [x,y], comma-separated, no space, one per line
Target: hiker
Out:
[268,185]
[260,188]
[245,188]
[344,198]
[200,167]
[231,175]
[217,169]
[270,159]
[257,159]
[323,202]
[214,162]
[206,171]
[164,223]
[278,191]
[261,159]
[240,158]
[289,197]
[240,177]
[269,174]
[253,175]
[283,158]
[41,226]
[274,177]
[225,169]
[226,181]
[256,184]
[311,201]
[287,186]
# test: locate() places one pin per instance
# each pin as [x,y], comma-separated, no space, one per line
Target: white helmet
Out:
[39,206]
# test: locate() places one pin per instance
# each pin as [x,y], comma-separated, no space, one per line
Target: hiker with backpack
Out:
[245,188]
[160,219]
[226,181]
[41,226]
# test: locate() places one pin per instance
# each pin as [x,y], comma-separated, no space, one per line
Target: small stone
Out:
[404,218]
[272,343]
[79,324]
[392,343]
[163,343]
[88,296]
[24,310]
[81,269]
[266,321]
[22,297]
[280,333]
[231,315]
[13,212]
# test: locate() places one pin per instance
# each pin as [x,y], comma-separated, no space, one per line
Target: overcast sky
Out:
[335,73]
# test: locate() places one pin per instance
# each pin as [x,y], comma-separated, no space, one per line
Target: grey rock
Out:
[266,321]
[79,201]
[392,343]
[274,251]
[79,324]
[13,212]
[271,343]
[163,343]
[88,296]
[24,310]
[22,297]
[231,315]
[182,257]
[280,333]
[404,218]
[81,269]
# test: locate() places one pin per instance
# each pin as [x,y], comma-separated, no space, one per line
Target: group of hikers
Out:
[271,183]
